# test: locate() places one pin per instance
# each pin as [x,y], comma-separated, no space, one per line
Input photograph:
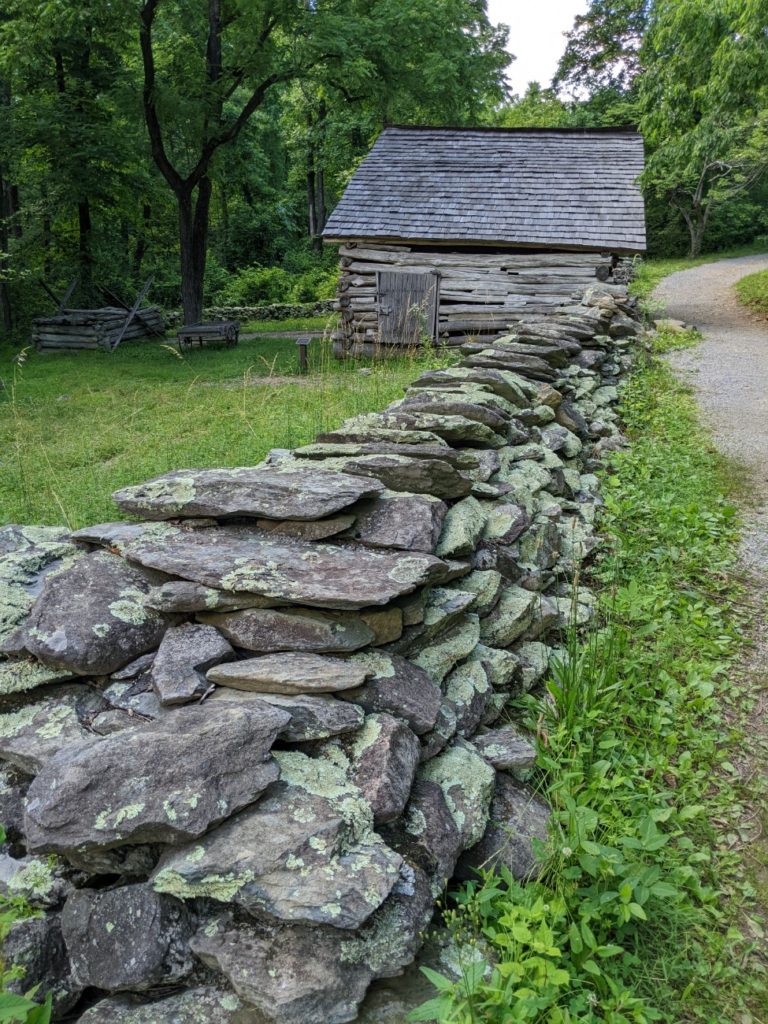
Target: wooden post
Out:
[303,344]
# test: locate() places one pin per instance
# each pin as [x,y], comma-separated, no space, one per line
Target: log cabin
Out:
[448,234]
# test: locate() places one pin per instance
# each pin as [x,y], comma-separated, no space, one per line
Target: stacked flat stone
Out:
[248,738]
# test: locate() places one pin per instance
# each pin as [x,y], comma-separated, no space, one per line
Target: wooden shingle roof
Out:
[544,188]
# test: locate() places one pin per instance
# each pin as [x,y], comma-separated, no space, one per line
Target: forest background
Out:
[204,142]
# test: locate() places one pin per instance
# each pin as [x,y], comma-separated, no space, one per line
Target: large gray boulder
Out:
[127,938]
[291,974]
[383,757]
[186,653]
[168,782]
[244,491]
[239,558]
[306,852]
[90,619]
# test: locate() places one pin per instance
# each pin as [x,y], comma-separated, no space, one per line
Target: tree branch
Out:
[157,146]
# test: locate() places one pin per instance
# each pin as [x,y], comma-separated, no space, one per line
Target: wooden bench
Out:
[226,331]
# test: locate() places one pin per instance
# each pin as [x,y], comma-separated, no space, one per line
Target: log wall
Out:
[480,294]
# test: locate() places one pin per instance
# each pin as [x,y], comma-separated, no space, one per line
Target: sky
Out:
[536,30]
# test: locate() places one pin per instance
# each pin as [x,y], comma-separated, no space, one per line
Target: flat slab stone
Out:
[186,652]
[127,938]
[306,852]
[405,473]
[204,1005]
[315,529]
[290,673]
[292,629]
[397,687]
[510,386]
[239,559]
[292,975]
[244,491]
[17,675]
[90,619]
[310,717]
[167,782]
[184,596]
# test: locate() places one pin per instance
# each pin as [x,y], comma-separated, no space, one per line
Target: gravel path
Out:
[729,369]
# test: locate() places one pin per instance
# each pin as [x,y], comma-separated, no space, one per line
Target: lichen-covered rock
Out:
[438,658]
[290,673]
[238,558]
[32,735]
[468,401]
[507,749]
[383,759]
[185,597]
[27,555]
[168,782]
[486,585]
[13,790]
[467,688]
[17,675]
[314,529]
[533,658]
[427,834]
[441,734]
[292,629]
[510,618]
[462,528]
[518,826]
[511,387]
[443,607]
[186,653]
[309,717]
[90,619]
[244,491]
[204,1005]
[406,473]
[36,945]
[467,782]
[306,852]
[503,667]
[397,687]
[127,938]
[453,429]
[406,522]
[291,974]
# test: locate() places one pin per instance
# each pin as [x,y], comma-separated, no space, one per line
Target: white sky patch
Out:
[536,36]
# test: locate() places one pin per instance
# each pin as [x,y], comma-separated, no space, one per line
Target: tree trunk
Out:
[319,209]
[193,240]
[141,240]
[84,254]
[6,312]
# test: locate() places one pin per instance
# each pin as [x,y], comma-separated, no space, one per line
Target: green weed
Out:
[640,909]
[753,291]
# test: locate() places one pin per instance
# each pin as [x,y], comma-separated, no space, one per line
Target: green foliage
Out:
[640,912]
[257,285]
[753,291]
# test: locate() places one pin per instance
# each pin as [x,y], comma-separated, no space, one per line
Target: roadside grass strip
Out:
[645,909]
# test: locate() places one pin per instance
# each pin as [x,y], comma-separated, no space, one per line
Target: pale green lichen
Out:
[34,882]
[222,888]
[170,811]
[196,855]
[19,676]
[100,629]
[127,813]
[175,493]
[467,782]
[379,665]
[129,607]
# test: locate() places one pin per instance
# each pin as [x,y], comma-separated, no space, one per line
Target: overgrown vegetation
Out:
[753,291]
[644,911]
[75,427]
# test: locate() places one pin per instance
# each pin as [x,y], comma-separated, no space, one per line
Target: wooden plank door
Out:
[408,306]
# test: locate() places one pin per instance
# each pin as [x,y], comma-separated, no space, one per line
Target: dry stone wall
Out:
[248,737]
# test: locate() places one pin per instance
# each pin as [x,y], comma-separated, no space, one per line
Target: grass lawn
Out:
[753,291]
[75,427]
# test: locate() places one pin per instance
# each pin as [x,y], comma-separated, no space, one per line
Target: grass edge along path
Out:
[645,910]
[752,290]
